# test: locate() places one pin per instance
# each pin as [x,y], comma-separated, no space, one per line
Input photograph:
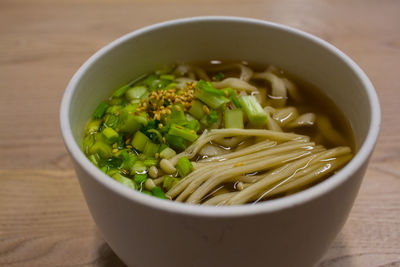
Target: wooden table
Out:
[44,220]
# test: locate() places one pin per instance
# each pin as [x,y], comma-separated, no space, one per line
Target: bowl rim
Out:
[270,206]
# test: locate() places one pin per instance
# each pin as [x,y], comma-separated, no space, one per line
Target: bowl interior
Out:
[192,41]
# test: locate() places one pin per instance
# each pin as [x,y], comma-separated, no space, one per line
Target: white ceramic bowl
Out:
[292,231]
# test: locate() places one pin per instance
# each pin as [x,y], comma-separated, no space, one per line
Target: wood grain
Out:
[44,220]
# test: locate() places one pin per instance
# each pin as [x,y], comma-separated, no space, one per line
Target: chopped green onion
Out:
[219,76]
[124,180]
[94,158]
[136,92]
[169,182]
[212,100]
[114,108]
[183,132]
[150,80]
[234,118]
[167,153]
[140,178]
[167,77]
[176,142]
[212,117]
[207,87]
[150,149]
[150,162]
[93,126]
[184,166]
[111,163]
[253,110]
[170,86]
[102,149]
[130,120]
[129,160]
[116,102]
[100,110]
[121,91]
[233,96]
[155,135]
[192,125]
[196,110]
[147,192]
[157,191]
[162,147]
[139,141]
[177,115]
[87,143]
[111,121]
[139,167]
[110,134]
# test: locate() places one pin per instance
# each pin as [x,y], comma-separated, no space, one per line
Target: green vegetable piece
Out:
[111,163]
[150,149]
[136,92]
[212,117]
[170,86]
[111,121]
[233,97]
[157,192]
[184,166]
[150,162]
[253,110]
[192,125]
[94,158]
[128,122]
[121,91]
[207,87]
[128,160]
[150,80]
[100,110]
[87,143]
[196,110]
[162,84]
[167,153]
[114,109]
[115,102]
[219,76]
[183,132]
[147,192]
[169,182]
[102,149]
[176,142]
[212,100]
[234,118]
[167,77]
[138,167]
[155,135]
[131,121]
[177,115]
[140,178]
[139,141]
[93,126]
[124,180]
[110,134]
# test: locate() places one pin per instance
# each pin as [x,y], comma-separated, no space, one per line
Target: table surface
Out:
[44,220]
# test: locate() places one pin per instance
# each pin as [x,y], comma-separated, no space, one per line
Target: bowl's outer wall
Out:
[143,236]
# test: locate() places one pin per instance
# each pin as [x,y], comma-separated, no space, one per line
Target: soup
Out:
[218,134]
